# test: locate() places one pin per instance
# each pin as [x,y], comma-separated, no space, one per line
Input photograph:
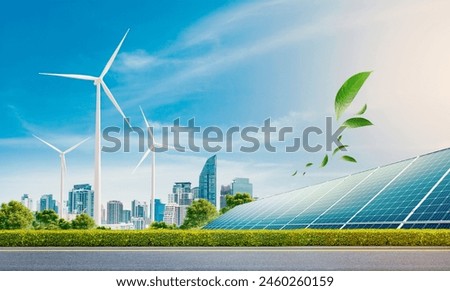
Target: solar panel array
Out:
[413,193]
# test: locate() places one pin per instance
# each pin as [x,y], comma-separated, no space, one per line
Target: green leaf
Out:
[295,173]
[348,91]
[349,159]
[308,165]
[339,138]
[324,161]
[363,110]
[340,148]
[356,122]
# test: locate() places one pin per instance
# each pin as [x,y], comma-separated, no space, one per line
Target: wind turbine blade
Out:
[147,152]
[49,144]
[148,126]
[71,76]
[145,118]
[113,100]
[75,146]
[111,60]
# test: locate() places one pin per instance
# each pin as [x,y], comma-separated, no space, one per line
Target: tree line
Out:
[14,215]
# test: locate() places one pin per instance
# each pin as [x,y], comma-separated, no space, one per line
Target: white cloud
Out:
[137,60]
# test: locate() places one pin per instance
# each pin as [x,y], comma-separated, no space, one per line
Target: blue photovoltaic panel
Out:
[354,201]
[399,198]
[414,193]
[314,210]
[265,216]
[437,206]
[296,208]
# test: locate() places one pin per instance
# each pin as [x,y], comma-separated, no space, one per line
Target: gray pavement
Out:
[225,259]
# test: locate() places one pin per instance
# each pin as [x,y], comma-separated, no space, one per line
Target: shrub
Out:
[163,237]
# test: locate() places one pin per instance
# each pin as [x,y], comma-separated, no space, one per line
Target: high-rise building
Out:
[159,210]
[126,216]
[47,202]
[138,223]
[27,201]
[139,209]
[195,192]
[242,185]
[81,200]
[182,193]
[224,191]
[171,213]
[114,212]
[208,181]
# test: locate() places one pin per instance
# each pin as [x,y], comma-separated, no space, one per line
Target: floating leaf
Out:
[340,148]
[324,161]
[363,110]
[348,91]
[356,122]
[339,138]
[308,165]
[295,173]
[349,159]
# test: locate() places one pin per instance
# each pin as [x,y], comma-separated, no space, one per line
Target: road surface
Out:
[225,259]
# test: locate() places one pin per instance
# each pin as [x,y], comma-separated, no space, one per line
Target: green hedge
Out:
[94,238]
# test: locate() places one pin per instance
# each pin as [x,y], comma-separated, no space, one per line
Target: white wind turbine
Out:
[151,149]
[99,83]
[62,155]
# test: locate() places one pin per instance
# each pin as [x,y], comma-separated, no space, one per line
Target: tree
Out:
[64,224]
[46,219]
[162,225]
[235,200]
[83,221]
[14,215]
[199,214]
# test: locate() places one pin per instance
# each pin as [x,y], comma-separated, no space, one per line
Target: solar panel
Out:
[414,193]
[436,206]
[349,205]
[399,198]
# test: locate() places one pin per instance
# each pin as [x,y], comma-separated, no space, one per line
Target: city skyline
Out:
[225,64]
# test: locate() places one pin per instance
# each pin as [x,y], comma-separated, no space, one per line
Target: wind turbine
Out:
[99,83]
[151,149]
[62,155]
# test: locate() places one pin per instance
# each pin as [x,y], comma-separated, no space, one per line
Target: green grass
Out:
[94,238]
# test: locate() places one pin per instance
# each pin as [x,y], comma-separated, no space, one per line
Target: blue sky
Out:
[225,63]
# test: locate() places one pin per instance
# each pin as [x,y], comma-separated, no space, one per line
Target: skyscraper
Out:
[47,202]
[182,193]
[159,210]
[139,209]
[139,214]
[27,201]
[224,191]
[126,216]
[195,192]
[242,185]
[114,212]
[81,200]
[171,213]
[208,181]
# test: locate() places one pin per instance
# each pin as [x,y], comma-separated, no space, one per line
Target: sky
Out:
[224,63]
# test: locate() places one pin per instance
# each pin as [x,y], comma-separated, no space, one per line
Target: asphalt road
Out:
[224,259]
